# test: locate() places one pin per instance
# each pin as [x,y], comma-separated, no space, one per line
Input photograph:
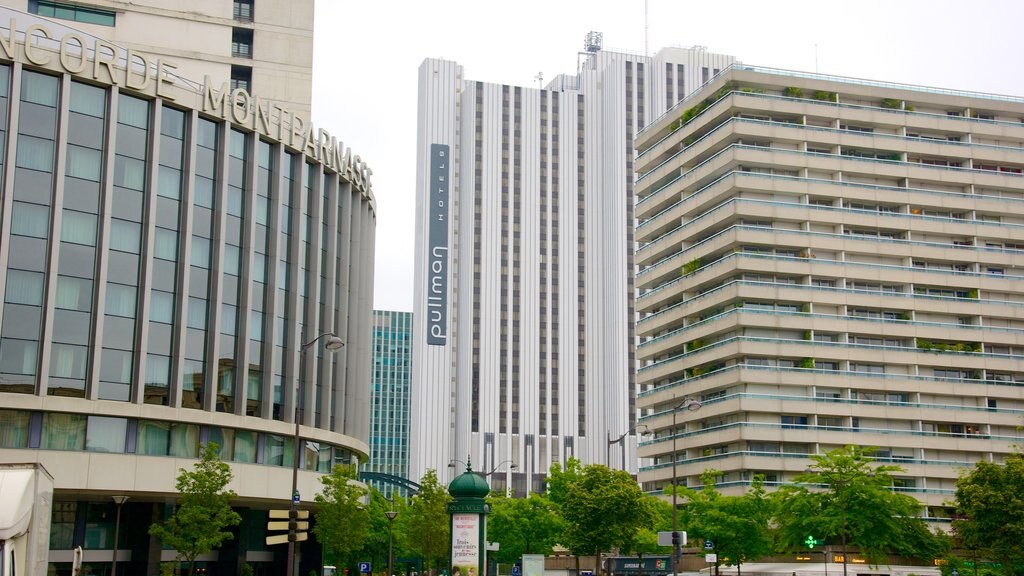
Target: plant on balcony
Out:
[695,345]
[823,95]
[908,106]
[807,334]
[973,294]
[904,315]
[891,103]
[750,90]
[923,344]
[806,307]
[807,362]
[793,92]
[691,266]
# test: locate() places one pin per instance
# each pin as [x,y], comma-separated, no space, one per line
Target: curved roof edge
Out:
[60,48]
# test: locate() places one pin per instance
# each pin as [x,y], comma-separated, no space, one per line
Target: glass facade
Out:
[389,395]
[151,254]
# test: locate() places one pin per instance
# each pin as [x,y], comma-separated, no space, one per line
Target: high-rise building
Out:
[824,262]
[522,348]
[389,397]
[172,259]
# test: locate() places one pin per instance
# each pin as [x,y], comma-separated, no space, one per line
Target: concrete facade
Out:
[827,261]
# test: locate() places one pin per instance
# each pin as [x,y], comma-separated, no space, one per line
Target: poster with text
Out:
[465,544]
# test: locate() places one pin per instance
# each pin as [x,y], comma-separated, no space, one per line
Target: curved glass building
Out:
[167,247]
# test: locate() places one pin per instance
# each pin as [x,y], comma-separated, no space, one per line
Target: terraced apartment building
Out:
[826,261]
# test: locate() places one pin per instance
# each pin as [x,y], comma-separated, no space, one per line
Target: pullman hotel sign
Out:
[437,244]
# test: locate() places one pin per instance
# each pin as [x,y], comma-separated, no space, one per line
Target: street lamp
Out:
[690,405]
[331,344]
[391,518]
[469,467]
[621,441]
[118,501]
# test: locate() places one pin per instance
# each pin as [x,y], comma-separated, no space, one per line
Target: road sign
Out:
[665,538]
[294,521]
[364,567]
[282,514]
[295,497]
[709,545]
[711,558]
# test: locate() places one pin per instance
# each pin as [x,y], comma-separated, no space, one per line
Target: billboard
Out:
[465,544]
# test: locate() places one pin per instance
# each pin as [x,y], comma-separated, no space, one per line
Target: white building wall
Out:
[431,393]
[442,404]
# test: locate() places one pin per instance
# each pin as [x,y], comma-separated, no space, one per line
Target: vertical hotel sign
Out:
[437,270]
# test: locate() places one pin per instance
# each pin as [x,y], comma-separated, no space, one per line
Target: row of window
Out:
[92,433]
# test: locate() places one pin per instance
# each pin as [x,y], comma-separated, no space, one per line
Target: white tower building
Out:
[523,344]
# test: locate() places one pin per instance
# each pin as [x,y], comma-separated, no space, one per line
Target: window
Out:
[243,10]
[241,43]
[86,14]
[794,421]
[241,77]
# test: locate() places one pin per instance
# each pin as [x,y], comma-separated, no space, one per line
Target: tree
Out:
[424,528]
[844,497]
[603,509]
[528,525]
[990,511]
[342,520]
[200,522]
[738,525]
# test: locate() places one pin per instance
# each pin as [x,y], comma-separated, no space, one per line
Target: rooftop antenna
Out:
[540,80]
[591,45]
[646,28]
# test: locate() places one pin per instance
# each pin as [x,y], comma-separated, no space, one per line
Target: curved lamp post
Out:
[690,405]
[512,466]
[622,444]
[331,344]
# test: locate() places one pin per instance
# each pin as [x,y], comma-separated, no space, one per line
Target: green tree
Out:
[342,519]
[990,510]
[603,509]
[844,497]
[203,515]
[424,527]
[738,525]
[528,525]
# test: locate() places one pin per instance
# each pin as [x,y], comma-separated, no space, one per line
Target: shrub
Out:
[891,103]
[793,92]
[823,95]
[807,363]
[691,266]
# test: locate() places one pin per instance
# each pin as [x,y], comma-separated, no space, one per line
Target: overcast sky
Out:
[366,54]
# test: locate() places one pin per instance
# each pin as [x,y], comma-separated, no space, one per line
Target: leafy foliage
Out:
[738,525]
[424,528]
[342,520]
[603,509]
[843,497]
[528,525]
[990,510]
[203,515]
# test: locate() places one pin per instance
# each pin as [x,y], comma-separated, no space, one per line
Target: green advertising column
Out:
[469,511]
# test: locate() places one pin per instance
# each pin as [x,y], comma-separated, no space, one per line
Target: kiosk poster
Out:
[465,544]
